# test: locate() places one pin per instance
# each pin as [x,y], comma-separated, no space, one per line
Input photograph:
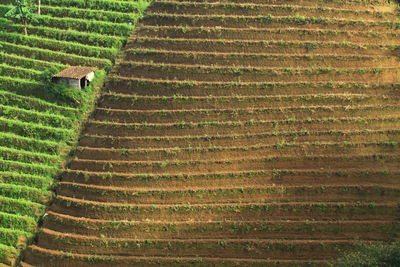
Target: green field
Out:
[40,124]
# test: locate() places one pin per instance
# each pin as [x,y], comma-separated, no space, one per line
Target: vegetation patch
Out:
[40,121]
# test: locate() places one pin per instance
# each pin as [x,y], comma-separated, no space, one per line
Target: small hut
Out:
[76,76]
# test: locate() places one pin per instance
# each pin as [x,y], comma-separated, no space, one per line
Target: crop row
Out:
[164,19]
[89,14]
[140,212]
[39,117]
[7,254]
[189,88]
[25,192]
[30,144]
[199,69]
[260,9]
[60,46]
[13,71]
[54,56]
[306,35]
[30,180]
[25,62]
[119,6]
[93,39]
[29,156]
[231,195]
[32,103]
[247,229]
[21,207]
[34,130]
[259,46]
[101,27]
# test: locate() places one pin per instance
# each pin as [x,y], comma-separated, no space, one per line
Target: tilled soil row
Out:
[296,229]
[387,160]
[326,193]
[194,142]
[272,8]
[37,255]
[235,133]
[167,19]
[186,247]
[261,177]
[251,46]
[359,5]
[240,127]
[276,113]
[179,102]
[226,211]
[266,34]
[136,86]
[195,73]
[259,59]
[281,148]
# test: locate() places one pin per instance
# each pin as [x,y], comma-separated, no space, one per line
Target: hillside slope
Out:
[38,124]
[244,133]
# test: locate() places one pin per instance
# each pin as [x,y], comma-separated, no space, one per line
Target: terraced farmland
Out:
[245,132]
[37,127]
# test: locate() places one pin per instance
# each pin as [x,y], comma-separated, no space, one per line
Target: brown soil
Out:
[237,140]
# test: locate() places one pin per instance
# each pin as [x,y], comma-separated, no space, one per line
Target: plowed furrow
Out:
[262,177]
[345,192]
[251,46]
[179,88]
[259,9]
[234,229]
[224,211]
[241,127]
[258,59]
[387,160]
[230,21]
[206,141]
[267,34]
[235,133]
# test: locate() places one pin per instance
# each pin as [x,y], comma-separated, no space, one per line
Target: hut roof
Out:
[75,72]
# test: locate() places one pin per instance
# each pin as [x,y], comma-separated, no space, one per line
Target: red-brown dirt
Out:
[237,133]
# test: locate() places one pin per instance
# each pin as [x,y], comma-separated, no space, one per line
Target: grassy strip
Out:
[60,46]
[36,130]
[39,117]
[16,60]
[102,27]
[33,181]
[88,38]
[28,168]
[7,153]
[25,192]
[120,6]
[7,254]
[12,237]
[30,144]
[24,87]
[20,72]
[27,102]
[18,222]
[21,207]
[53,56]
[102,15]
